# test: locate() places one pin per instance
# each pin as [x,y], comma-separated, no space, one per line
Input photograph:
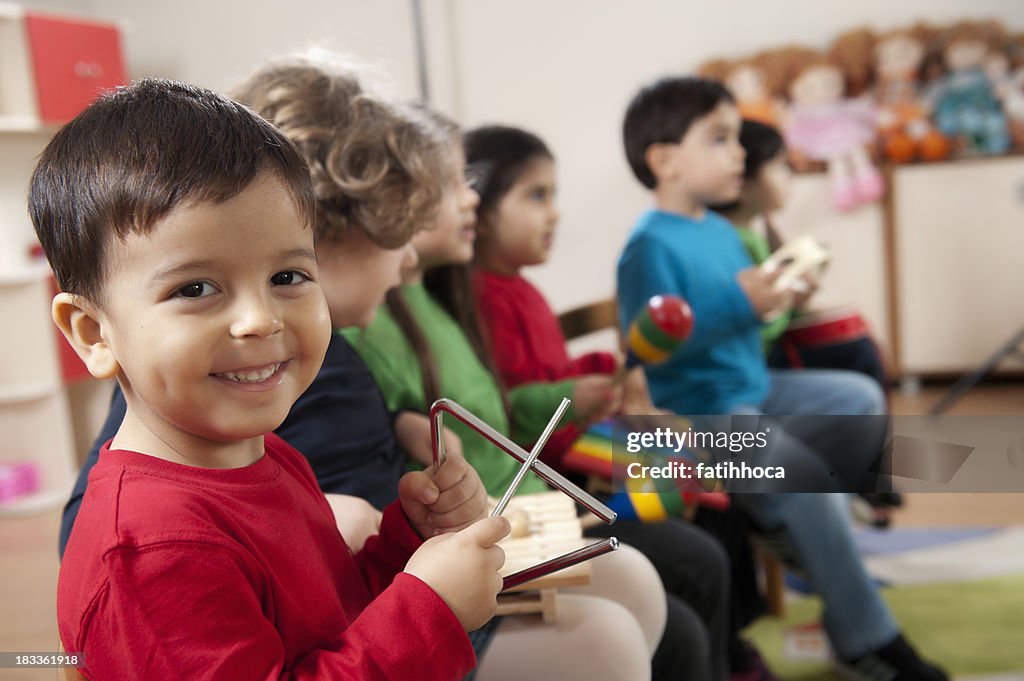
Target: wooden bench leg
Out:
[774,585]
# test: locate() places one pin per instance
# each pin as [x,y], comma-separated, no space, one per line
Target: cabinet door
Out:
[959,235]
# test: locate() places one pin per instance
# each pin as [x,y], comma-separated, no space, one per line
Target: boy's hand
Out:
[636,399]
[596,397]
[447,500]
[809,286]
[462,568]
[412,431]
[760,290]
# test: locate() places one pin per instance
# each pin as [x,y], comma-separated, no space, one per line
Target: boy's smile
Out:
[217,323]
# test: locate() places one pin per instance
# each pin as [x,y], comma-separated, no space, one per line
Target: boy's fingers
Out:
[454,497]
[417,485]
[485,533]
[495,557]
[452,471]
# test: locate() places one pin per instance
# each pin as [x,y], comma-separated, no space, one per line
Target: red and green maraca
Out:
[658,330]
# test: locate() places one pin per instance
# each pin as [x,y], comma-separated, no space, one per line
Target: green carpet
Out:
[970,628]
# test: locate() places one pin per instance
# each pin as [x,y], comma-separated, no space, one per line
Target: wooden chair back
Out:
[587,319]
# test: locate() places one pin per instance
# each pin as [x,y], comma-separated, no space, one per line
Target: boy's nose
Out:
[256,318]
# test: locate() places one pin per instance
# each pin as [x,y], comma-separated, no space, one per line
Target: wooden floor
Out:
[28,547]
[963,509]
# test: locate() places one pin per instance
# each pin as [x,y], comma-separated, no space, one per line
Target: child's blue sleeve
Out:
[720,308]
[645,269]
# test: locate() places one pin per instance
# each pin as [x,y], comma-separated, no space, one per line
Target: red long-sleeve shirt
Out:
[528,343]
[178,572]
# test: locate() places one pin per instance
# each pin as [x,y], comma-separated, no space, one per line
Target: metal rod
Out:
[538,447]
[560,562]
[548,474]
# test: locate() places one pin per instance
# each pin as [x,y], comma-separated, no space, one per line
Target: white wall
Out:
[562,68]
[566,69]
[215,43]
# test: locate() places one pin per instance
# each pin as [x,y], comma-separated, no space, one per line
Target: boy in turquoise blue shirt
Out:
[681,138]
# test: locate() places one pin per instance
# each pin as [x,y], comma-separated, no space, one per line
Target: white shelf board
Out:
[24,275]
[19,393]
[35,503]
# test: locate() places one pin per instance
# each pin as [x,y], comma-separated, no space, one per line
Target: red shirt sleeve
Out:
[593,363]
[385,554]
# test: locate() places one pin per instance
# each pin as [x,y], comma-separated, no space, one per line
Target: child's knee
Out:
[617,645]
[628,578]
[861,395]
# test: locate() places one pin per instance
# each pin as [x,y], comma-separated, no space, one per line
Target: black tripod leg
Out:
[968,381]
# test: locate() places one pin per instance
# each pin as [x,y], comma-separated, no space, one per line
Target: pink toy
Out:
[822,124]
[17,479]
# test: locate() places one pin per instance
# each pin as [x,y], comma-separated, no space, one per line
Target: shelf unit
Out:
[50,67]
[34,415]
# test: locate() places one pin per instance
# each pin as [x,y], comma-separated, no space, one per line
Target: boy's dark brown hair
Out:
[662,112]
[134,156]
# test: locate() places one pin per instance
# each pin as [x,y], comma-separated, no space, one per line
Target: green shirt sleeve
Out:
[532,406]
[759,250]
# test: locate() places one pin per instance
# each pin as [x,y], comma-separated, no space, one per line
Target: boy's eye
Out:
[288,278]
[195,289]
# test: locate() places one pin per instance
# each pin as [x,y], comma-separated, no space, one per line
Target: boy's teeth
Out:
[251,376]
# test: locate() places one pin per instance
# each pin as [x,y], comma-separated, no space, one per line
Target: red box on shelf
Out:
[73,62]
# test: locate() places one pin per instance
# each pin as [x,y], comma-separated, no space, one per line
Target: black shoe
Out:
[883,499]
[896,661]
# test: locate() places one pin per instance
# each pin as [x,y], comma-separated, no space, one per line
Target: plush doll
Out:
[1005,70]
[852,53]
[903,123]
[825,125]
[747,81]
[964,103]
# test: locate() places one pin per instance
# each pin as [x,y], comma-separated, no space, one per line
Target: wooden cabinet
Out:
[34,415]
[958,261]
[937,268]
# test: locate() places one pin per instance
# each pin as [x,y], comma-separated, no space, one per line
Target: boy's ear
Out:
[657,158]
[79,321]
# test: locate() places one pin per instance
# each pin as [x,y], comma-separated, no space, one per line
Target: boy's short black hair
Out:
[135,155]
[662,112]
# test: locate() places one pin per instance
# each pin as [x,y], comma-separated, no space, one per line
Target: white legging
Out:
[607,630]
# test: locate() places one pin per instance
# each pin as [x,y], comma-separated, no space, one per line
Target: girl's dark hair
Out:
[762,143]
[496,155]
[452,287]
